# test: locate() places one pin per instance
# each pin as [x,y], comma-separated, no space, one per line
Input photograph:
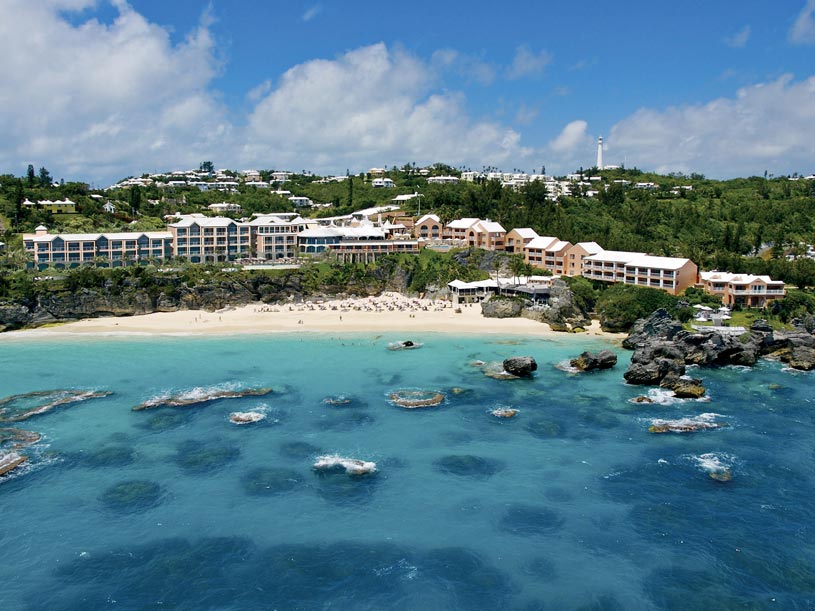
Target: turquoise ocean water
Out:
[572,504]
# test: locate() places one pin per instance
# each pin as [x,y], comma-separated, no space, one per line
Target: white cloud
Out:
[739,39]
[572,137]
[528,63]
[525,115]
[765,126]
[803,30]
[101,100]
[370,106]
[312,12]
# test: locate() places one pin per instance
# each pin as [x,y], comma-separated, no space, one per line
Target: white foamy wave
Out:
[664,396]
[246,417]
[718,465]
[352,466]
[688,424]
[566,365]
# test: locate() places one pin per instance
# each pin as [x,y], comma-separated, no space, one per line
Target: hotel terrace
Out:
[742,289]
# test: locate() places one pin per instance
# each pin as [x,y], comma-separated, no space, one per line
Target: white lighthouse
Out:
[600,153]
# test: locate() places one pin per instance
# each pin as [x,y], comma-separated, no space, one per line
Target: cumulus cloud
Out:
[528,63]
[370,106]
[572,137]
[803,30]
[765,126]
[739,39]
[100,100]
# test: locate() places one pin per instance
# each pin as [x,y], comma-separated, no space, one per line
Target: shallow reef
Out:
[466,465]
[132,495]
[199,457]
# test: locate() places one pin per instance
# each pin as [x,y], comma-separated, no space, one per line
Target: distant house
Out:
[442,180]
[301,202]
[378,183]
[376,172]
[280,176]
[65,206]
[109,208]
[742,289]
[225,207]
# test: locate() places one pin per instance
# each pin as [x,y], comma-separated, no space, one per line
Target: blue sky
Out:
[99,89]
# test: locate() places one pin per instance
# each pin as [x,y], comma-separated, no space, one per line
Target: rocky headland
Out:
[663,348]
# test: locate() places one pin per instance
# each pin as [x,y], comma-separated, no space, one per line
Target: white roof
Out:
[541,242]
[590,247]
[405,198]
[526,232]
[559,245]
[429,217]
[615,256]
[215,221]
[460,284]
[658,262]
[462,223]
[321,232]
[736,278]
[491,227]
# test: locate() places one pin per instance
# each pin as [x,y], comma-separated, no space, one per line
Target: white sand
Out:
[387,313]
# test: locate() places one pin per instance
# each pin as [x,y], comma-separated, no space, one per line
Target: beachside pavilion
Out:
[535,288]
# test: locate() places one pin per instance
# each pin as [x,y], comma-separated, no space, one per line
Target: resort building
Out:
[428,227]
[742,289]
[547,253]
[361,244]
[378,183]
[114,249]
[671,274]
[516,239]
[203,239]
[476,233]
[275,235]
[225,207]
[573,257]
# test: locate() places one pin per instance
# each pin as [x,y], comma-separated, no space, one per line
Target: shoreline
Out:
[388,313]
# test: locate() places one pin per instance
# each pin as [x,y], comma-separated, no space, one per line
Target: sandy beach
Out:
[389,312]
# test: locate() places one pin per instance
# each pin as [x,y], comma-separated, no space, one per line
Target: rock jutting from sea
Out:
[663,348]
[199,396]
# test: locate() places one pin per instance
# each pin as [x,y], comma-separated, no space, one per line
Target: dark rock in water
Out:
[264,481]
[589,361]
[17,439]
[346,421]
[802,358]
[132,495]
[337,486]
[651,363]
[520,366]
[404,345]
[412,399]
[198,457]
[684,388]
[298,449]
[468,466]
[23,406]
[544,428]
[530,520]
[10,461]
